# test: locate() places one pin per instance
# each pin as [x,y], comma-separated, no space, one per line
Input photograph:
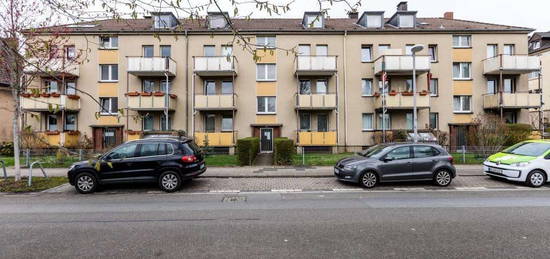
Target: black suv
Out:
[167,161]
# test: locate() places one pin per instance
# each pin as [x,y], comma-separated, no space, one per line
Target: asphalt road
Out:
[489,224]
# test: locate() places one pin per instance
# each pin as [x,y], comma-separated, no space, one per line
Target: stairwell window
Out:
[70,122]
[163,122]
[366,53]
[108,73]
[434,120]
[109,105]
[148,123]
[227,123]
[266,72]
[266,42]
[52,122]
[432,50]
[368,121]
[366,87]
[266,105]
[462,104]
[108,42]
[434,87]
[462,41]
[462,71]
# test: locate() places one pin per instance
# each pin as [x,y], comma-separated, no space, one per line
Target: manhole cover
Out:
[234,198]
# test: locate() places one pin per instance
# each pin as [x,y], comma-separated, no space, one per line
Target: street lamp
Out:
[414,50]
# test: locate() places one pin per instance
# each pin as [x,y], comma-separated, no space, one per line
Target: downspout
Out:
[345,91]
[187,82]
[127,101]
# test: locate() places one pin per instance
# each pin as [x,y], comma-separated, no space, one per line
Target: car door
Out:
[149,160]
[424,161]
[115,165]
[396,165]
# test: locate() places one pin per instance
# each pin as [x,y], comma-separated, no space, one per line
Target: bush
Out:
[247,149]
[517,133]
[400,136]
[6,149]
[283,151]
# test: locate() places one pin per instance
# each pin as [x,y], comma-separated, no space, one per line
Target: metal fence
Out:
[472,154]
[56,156]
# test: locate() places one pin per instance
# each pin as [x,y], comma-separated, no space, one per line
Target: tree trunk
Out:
[16,133]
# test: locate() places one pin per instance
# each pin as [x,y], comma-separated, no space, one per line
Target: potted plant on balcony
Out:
[377,94]
[158,93]
[73,132]
[55,94]
[133,132]
[53,132]
[393,93]
[423,93]
[26,95]
[45,95]
[146,93]
[73,96]
[173,96]
[36,95]
[135,93]
[407,93]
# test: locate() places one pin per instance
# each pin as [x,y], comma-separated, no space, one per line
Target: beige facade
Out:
[218,98]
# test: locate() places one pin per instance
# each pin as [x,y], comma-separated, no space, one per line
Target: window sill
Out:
[368,130]
[469,112]
[266,113]
[434,61]
[368,62]
[463,79]
[266,80]
[107,81]
[100,48]
[437,95]
[108,114]
[367,95]
[460,47]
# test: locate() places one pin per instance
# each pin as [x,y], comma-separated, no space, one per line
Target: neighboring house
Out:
[6,103]
[325,98]
[539,46]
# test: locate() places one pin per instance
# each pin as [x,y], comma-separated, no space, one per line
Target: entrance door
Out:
[266,140]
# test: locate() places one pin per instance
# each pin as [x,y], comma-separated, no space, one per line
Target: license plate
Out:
[495,170]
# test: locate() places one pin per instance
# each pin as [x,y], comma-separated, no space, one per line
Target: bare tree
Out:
[490,134]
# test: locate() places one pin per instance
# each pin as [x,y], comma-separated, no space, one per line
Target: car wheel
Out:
[85,183]
[369,179]
[170,181]
[536,178]
[443,178]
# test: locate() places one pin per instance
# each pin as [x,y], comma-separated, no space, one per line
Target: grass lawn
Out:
[320,159]
[221,160]
[38,184]
[470,159]
[48,161]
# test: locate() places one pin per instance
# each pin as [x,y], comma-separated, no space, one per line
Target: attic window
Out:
[216,21]
[373,21]
[406,21]
[164,21]
[314,20]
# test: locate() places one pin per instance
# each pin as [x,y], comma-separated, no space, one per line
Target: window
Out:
[321,50]
[163,123]
[509,49]
[424,151]
[163,21]
[266,104]
[408,49]
[434,120]
[491,86]
[227,123]
[148,149]
[406,21]
[374,21]
[434,87]
[108,42]
[366,53]
[399,153]
[52,123]
[70,122]
[382,49]
[462,104]
[305,87]
[165,51]
[322,122]
[217,21]
[409,85]
[209,50]
[109,138]
[462,70]
[148,86]
[70,52]
[165,149]
[109,105]
[432,50]
[387,121]
[125,151]
[321,87]
[163,85]
[492,50]
[305,121]
[510,117]
[410,119]
[534,75]
[509,85]
[367,121]
[314,21]
[52,86]
[227,50]
[148,123]
[266,72]
[265,42]
[210,87]
[108,72]
[227,87]
[366,87]
[148,51]
[70,88]
[462,41]
[210,123]
[304,50]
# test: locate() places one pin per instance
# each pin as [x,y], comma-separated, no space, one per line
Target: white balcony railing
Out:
[401,101]
[151,66]
[316,101]
[51,102]
[512,100]
[511,64]
[401,64]
[215,65]
[215,102]
[151,102]
[316,65]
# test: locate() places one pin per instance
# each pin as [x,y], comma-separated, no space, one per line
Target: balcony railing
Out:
[216,139]
[511,64]
[50,102]
[512,100]
[316,65]
[54,66]
[151,102]
[151,66]
[215,66]
[403,101]
[401,64]
[316,101]
[316,138]
[65,139]
[215,102]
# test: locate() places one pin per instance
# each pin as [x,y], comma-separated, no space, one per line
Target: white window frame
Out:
[461,72]
[56,122]
[401,21]
[363,48]
[227,129]
[266,102]
[110,76]
[513,49]
[371,18]
[314,21]
[318,48]
[110,45]
[75,122]
[363,116]
[461,100]
[110,110]
[265,67]
[461,41]
[163,21]
[494,48]
[263,42]
[409,120]
[436,80]
[371,87]
[435,56]
[304,50]
[436,119]
[148,116]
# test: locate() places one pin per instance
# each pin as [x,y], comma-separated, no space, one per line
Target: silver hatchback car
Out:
[398,162]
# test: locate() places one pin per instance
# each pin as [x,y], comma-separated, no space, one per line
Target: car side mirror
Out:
[387,159]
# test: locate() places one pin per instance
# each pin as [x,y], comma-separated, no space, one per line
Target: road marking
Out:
[225,191]
[409,189]
[471,188]
[348,190]
[286,190]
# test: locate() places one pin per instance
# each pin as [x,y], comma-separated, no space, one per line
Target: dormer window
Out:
[217,20]
[406,21]
[164,20]
[372,19]
[313,20]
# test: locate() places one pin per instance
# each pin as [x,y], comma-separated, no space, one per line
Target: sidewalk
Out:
[258,171]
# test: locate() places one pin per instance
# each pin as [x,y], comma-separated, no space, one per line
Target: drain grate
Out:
[234,198]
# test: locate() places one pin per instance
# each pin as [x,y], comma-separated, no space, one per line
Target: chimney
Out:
[353,14]
[448,15]
[402,6]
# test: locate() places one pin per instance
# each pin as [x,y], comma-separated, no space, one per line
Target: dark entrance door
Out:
[266,140]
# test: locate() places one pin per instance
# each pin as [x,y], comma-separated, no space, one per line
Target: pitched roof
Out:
[544,38]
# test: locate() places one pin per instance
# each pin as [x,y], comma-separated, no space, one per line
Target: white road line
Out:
[348,190]
[225,191]
[471,188]
[409,189]
[286,190]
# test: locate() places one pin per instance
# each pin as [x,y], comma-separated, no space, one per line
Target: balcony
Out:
[511,64]
[48,102]
[215,102]
[215,66]
[67,139]
[401,101]
[216,139]
[316,101]
[512,101]
[401,64]
[316,65]
[152,102]
[53,67]
[314,138]
[151,66]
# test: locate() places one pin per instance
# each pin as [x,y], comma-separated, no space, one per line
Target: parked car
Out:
[166,161]
[398,162]
[527,162]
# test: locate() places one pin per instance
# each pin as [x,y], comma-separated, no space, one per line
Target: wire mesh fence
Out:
[52,157]
[472,154]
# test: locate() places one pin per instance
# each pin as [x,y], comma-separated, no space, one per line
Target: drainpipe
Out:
[166,100]
[345,91]
[187,82]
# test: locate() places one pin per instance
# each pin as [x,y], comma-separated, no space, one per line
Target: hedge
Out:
[247,149]
[517,133]
[283,151]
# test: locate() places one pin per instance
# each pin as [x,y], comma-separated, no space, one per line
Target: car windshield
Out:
[373,151]
[528,149]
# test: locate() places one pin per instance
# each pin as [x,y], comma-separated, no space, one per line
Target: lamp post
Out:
[414,50]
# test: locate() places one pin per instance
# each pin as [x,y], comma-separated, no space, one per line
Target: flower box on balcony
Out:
[173,96]
[424,93]
[55,94]
[158,94]
[55,132]
[73,133]
[73,96]
[45,95]
[132,94]
[26,95]
[146,94]
[35,95]
[393,93]
[133,132]
[407,93]
[376,95]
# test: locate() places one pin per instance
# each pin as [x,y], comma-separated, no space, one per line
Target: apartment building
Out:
[539,46]
[316,80]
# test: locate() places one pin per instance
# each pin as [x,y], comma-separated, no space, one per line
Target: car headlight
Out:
[350,167]
[520,164]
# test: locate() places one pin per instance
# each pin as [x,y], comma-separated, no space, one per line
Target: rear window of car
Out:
[425,151]
[190,148]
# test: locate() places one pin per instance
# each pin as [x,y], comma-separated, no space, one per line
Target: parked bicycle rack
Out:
[4,168]
[30,171]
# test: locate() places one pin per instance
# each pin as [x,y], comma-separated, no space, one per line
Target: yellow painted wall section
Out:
[108,120]
[462,118]
[463,87]
[107,89]
[462,55]
[266,119]
[53,140]
[134,136]
[266,88]
[266,55]
[105,56]
[71,140]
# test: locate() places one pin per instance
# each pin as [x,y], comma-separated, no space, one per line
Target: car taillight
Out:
[451,160]
[189,159]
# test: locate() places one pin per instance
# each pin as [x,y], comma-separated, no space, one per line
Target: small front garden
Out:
[38,184]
